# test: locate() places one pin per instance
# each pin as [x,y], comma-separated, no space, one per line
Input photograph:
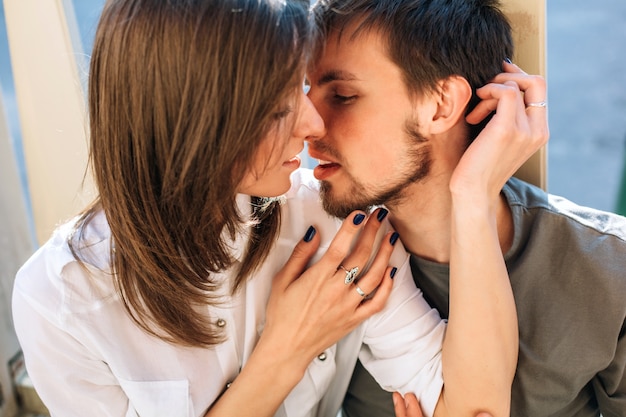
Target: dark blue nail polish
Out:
[382,214]
[394,237]
[309,234]
[507,59]
[358,219]
[393,272]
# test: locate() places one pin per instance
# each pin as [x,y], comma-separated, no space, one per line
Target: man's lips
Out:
[322,158]
[326,166]
[325,169]
[321,162]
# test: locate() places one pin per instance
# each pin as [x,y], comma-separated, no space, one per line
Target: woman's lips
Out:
[293,163]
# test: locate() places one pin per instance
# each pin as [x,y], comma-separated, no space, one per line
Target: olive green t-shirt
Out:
[567,267]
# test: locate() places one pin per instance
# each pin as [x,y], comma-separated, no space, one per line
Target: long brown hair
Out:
[181,93]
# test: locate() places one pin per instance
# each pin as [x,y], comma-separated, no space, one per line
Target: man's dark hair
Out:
[429,40]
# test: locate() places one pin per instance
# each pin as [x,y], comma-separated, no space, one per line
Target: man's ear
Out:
[451,100]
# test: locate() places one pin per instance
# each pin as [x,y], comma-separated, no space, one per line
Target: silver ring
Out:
[537,104]
[360,291]
[350,275]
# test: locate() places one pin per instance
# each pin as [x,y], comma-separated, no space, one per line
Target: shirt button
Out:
[322,356]
[221,323]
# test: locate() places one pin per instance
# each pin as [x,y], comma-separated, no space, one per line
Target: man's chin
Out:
[337,206]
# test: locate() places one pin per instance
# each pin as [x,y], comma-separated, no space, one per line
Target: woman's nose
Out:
[310,123]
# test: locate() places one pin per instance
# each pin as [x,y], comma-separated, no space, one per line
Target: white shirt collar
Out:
[240,243]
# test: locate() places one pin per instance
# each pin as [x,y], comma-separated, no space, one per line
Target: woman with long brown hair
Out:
[146,303]
[178,292]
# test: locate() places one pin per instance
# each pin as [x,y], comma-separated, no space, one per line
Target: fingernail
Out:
[508,60]
[393,272]
[358,219]
[382,214]
[394,237]
[309,234]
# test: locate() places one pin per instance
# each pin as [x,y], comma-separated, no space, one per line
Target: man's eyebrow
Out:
[335,75]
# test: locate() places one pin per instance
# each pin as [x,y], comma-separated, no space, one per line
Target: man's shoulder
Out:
[526,199]
[567,265]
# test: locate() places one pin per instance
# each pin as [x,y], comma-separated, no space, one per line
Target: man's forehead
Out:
[347,58]
[355,32]
[331,75]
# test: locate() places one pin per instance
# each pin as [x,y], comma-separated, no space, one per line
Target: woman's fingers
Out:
[371,289]
[297,262]
[364,269]
[377,298]
[407,406]
[535,97]
[520,103]
[378,277]
[398,405]
[493,97]
[367,249]
[312,307]
[533,88]
[308,245]
[353,264]
[514,132]
[527,123]
[345,259]
[342,242]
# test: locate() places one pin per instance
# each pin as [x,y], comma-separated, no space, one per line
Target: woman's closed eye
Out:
[282,114]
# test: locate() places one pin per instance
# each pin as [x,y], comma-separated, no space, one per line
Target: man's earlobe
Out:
[452,98]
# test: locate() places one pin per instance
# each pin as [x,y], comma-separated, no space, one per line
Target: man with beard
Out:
[397,82]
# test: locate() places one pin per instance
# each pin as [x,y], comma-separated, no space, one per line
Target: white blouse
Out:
[86,356]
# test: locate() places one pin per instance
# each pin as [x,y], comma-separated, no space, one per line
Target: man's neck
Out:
[423,221]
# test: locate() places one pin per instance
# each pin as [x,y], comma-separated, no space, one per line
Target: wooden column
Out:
[528,18]
[45,53]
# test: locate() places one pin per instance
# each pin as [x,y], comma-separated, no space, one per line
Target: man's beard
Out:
[358,197]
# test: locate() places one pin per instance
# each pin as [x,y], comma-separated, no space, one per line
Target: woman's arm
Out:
[481,344]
